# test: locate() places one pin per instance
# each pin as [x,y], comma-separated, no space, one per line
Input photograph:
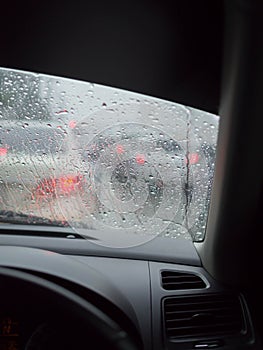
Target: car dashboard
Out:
[158,292]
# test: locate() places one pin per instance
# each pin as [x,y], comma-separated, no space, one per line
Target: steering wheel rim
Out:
[72,304]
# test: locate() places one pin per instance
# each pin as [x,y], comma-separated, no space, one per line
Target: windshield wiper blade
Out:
[12,217]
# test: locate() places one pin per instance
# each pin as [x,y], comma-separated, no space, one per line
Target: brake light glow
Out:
[72,124]
[69,183]
[192,158]
[140,159]
[3,151]
[63,185]
[119,149]
[46,188]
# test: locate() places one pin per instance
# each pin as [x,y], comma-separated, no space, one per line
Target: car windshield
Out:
[33,140]
[103,160]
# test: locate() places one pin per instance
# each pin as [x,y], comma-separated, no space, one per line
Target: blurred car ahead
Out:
[32,158]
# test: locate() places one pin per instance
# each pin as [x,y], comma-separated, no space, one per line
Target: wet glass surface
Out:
[104,159]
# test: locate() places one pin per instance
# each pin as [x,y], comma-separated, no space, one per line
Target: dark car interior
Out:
[60,291]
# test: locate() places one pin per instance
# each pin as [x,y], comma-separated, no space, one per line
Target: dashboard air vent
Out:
[203,315]
[173,280]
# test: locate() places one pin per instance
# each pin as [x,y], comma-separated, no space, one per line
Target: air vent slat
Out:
[178,324]
[216,332]
[173,280]
[181,276]
[202,315]
[207,310]
[171,318]
[201,302]
[178,283]
[203,326]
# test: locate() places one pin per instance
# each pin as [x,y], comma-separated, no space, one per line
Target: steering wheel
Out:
[74,322]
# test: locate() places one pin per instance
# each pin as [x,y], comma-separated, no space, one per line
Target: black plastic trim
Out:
[179,251]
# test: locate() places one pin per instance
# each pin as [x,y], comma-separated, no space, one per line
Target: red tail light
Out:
[192,158]
[140,159]
[69,183]
[119,149]
[72,124]
[63,185]
[3,151]
[46,188]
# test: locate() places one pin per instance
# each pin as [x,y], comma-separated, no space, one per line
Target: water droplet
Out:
[63,111]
